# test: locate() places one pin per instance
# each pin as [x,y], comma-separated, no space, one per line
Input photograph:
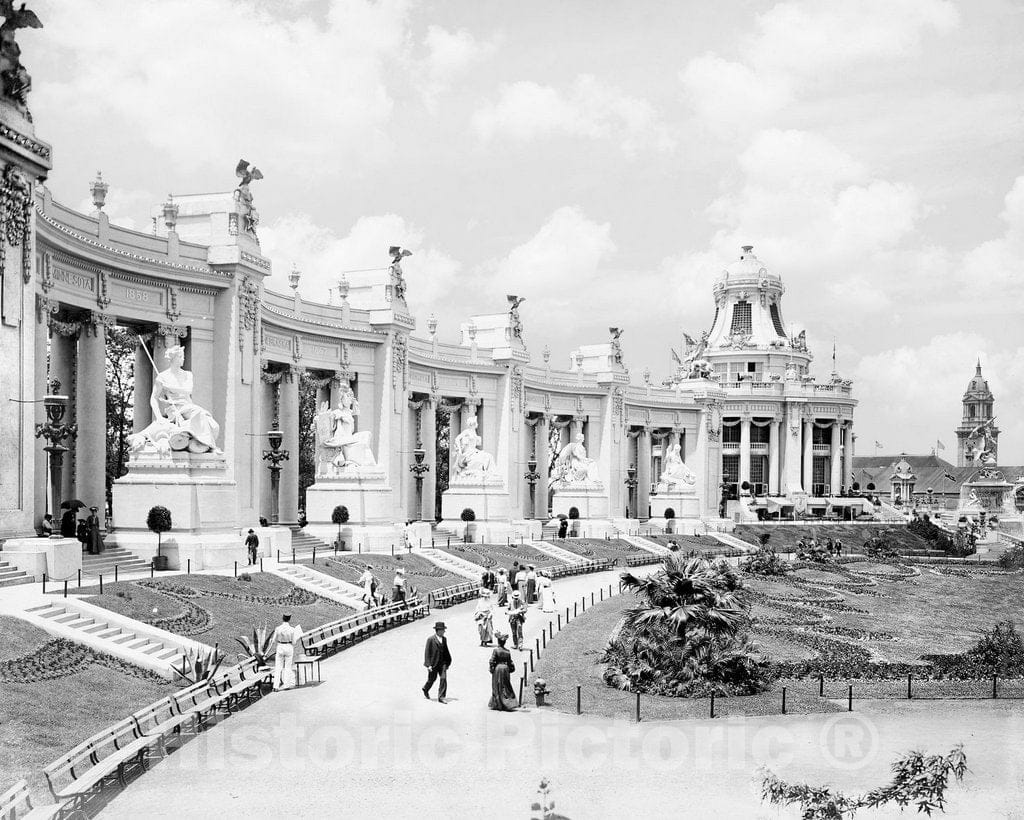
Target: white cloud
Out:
[910,396]
[307,94]
[321,256]
[800,44]
[449,54]
[122,208]
[526,111]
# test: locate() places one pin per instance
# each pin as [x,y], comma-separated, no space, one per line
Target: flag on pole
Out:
[939,445]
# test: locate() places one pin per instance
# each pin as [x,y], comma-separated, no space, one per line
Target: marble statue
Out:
[243,195]
[676,476]
[471,461]
[178,423]
[338,446]
[395,269]
[513,313]
[16,80]
[572,466]
[982,443]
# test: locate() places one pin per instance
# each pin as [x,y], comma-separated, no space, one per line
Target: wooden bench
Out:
[455,594]
[580,567]
[336,635]
[644,559]
[107,755]
[16,804]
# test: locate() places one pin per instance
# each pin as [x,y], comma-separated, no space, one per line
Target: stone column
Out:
[808,471]
[429,435]
[63,352]
[41,484]
[744,453]
[835,462]
[773,457]
[91,415]
[576,427]
[289,509]
[848,454]
[541,433]
[142,414]
[643,473]
[454,428]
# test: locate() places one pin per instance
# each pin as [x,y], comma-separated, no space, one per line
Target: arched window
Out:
[741,319]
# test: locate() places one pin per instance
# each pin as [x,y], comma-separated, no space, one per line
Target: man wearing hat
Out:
[437,659]
[399,584]
[516,618]
[252,544]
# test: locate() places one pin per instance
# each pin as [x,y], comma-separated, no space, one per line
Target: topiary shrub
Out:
[871,486]
[574,513]
[669,513]
[159,521]
[468,515]
[339,516]
[745,485]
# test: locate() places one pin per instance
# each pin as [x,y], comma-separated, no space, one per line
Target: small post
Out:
[151,569]
[574,609]
[544,639]
[531,659]
[783,700]
[567,614]
[79,579]
[821,685]
[65,589]
[559,623]
[994,693]
[538,647]
[591,598]
[359,548]
[521,682]
[44,583]
[712,705]
[637,707]
[101,585]
[293,555]
[314,553]
[602,593]
[551,629]
[261,563]
[279,556]
[115,572]
[579,699]
[236,569]
[849,699]
[449,540]
[910,693]
[392,549]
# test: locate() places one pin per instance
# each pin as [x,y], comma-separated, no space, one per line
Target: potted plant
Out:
[339,516]
[745,486]
[159,521]
[468,516]
[258,646]
[670,514]
[574,517]
[540,691]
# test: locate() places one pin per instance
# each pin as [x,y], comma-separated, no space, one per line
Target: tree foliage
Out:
[120,395]
[918,779]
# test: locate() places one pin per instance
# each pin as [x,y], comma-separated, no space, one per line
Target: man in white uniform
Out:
[285,636]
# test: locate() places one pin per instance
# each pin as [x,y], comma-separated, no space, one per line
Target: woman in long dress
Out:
[547,594]
[368,582]
[484,617]
[503,697]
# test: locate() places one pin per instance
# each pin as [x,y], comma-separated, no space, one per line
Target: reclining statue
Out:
[338,445]
[178,423]
[572,466]
[676,477]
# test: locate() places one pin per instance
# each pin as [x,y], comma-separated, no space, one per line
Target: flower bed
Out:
[419,572]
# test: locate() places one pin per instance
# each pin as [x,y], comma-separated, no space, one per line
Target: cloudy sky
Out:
[602,159]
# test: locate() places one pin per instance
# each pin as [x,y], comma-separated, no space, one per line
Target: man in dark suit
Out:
[487,580]
[437,659]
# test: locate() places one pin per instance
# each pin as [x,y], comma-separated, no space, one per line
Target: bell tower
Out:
[977,404]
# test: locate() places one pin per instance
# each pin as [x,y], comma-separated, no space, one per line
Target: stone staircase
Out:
[452,563]
[732,541]
[642,543]
[11,576]
[322,584]
[303,542]
[143,646]
[563,555]
[104,563]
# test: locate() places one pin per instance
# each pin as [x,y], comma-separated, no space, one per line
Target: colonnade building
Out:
[750,422]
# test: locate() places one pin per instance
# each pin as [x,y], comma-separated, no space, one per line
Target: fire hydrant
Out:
[540,691]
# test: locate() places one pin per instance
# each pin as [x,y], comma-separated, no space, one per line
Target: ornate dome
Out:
[978,386]
[748,267]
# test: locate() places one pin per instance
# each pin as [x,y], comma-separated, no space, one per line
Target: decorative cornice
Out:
[40,149]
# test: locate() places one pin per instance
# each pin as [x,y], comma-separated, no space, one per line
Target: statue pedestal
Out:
[684,505]
[201,498]
[59,558]
[490,503]
[590,500]
[365,492]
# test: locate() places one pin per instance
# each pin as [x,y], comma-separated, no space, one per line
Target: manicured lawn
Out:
[866,612]
[853,536]
[42,719]
[217,609]
[598,548]
[419,572]
[688,543]
[502,555]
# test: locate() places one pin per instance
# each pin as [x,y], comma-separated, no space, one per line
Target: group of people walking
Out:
[513,590]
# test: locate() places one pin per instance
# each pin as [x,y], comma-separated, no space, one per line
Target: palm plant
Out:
[258,646]
[689,593]
[199,665]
